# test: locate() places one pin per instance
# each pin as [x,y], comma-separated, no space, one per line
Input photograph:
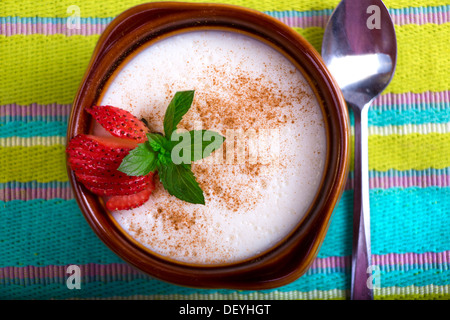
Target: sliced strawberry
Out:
[84,145]
[120,123]
[90,154]
[88,166]
[128,202]
[119,178]
[95,160]
[113,187]
[114,190]
[86,154]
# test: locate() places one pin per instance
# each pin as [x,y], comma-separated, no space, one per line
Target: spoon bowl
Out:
[360,50]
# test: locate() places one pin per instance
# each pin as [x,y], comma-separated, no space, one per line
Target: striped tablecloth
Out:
[42,230]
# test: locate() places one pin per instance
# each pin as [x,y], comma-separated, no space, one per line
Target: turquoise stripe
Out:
[299,14]
[401,220]
[404,115]
[53,20]
[33,128]
[418,277]
[48,232]
[409,214]
[412,114]
[50,226]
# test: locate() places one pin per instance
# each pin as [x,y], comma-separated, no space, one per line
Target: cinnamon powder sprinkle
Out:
[230,178]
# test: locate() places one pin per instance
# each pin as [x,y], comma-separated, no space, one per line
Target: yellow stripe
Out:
[36,163]
[48,69]
[429,292]
[423,59]
[401,152]
[408,151]
[43,69]
[423,62]
[111,8]
[314,35]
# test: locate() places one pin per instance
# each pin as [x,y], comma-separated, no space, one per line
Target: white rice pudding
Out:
[254,197]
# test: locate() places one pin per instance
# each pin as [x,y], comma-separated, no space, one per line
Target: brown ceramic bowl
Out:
[291,257]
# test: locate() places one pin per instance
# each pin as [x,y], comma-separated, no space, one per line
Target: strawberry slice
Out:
[127,202]
[99,158]
[89,153]
[120,123]
[111,187]
[85,145]
[115,179]
[95,160]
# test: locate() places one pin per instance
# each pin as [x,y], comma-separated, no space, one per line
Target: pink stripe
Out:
[388,99]
[387,259]
[122,270]
[86,29]
[331,262]
[9,194]
[437,18]
[35,109]
[25,194]
[421,181]
[305,22]
[53,271]
[412,258]
[411,98]
[398,19]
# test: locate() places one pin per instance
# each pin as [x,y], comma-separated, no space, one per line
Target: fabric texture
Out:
[42,230]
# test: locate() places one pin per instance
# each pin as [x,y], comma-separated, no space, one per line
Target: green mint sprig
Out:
[171,154]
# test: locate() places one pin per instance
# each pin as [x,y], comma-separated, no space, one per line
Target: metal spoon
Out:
[360,50]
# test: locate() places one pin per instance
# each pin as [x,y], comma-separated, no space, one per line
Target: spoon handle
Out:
[361,289]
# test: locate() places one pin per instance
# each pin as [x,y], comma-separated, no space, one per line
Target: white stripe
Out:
[32,141]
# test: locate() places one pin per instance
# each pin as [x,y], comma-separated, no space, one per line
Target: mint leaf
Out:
[180,182]
[194,145]
[172,158]
[158,142]
[140,161]
[179,105]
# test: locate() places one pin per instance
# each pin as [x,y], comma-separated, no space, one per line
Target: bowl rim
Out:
[265,271]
